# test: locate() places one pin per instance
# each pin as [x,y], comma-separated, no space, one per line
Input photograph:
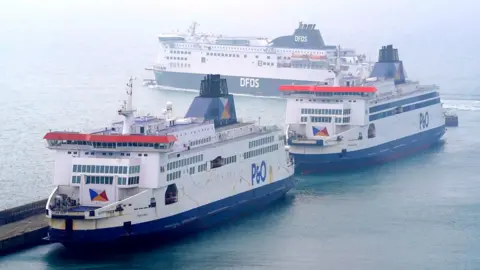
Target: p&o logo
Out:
[259,173]
[249,82]
[424,120]
[301,39]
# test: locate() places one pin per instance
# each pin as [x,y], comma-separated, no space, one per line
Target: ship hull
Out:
[179,225]
[365,158]
[236,84]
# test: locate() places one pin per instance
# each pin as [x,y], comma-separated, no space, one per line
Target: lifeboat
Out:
[317,58]
[299,56]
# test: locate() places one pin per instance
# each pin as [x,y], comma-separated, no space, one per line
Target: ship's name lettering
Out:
[259,173]
[249,82]
[424,120]
[301,39]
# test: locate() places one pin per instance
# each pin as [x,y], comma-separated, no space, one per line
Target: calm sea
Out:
[420,212]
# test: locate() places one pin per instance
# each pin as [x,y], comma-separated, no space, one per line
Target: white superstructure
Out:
[252,65]
[351,122]
[164,175]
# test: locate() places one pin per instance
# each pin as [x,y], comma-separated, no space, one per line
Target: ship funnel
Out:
[389,65]
[305,36]
[214,102]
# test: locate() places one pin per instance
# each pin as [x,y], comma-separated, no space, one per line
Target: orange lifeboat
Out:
[299,56]
[317,58]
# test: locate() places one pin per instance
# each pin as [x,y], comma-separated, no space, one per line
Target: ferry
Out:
[251,65]
[164,176]
[350,122]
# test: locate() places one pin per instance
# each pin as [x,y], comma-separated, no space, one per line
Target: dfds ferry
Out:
[350,122]
[165,175]
[251,65]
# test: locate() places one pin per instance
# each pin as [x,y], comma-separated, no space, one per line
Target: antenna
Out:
[193,28]
[337,70]
[127,108]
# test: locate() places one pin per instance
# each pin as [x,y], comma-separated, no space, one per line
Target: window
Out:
[202,167]
[260,151]
[76,179]
[371,131]
[171,194]
[134,180]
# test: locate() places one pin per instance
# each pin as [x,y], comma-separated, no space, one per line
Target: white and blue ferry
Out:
[350,122]
[164,176]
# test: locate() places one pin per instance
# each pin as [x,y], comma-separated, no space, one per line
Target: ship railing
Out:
[266,129]
[427,87]
[302,138]
[77,147]
[400,93]
[224,136]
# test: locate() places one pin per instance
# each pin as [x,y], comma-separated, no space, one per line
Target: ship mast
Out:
[127,109]
[193,28]
[337,70]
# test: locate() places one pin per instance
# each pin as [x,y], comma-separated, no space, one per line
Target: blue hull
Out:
[179,225]
[370,156]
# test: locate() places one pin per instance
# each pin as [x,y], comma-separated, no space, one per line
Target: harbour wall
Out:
[22,227]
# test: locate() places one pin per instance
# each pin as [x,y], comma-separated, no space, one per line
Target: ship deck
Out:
[226,141]
[81,208]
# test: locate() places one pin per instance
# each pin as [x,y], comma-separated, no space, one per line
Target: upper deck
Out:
[305,39]
[387,80]
[211,118]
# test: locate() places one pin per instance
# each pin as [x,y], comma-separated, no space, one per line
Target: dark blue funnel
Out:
[389,65]
[214,102]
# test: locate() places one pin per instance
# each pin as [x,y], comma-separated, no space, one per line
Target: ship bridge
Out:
[317,112]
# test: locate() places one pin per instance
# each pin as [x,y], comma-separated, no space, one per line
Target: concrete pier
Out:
[23,226]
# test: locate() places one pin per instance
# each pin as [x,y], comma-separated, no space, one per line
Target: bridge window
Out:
[371,131]
[76,179]
[321,119]
[101,169]
[121,180]
[171,194]
[134,169]
[98,180]
[322,111]
[134,180]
